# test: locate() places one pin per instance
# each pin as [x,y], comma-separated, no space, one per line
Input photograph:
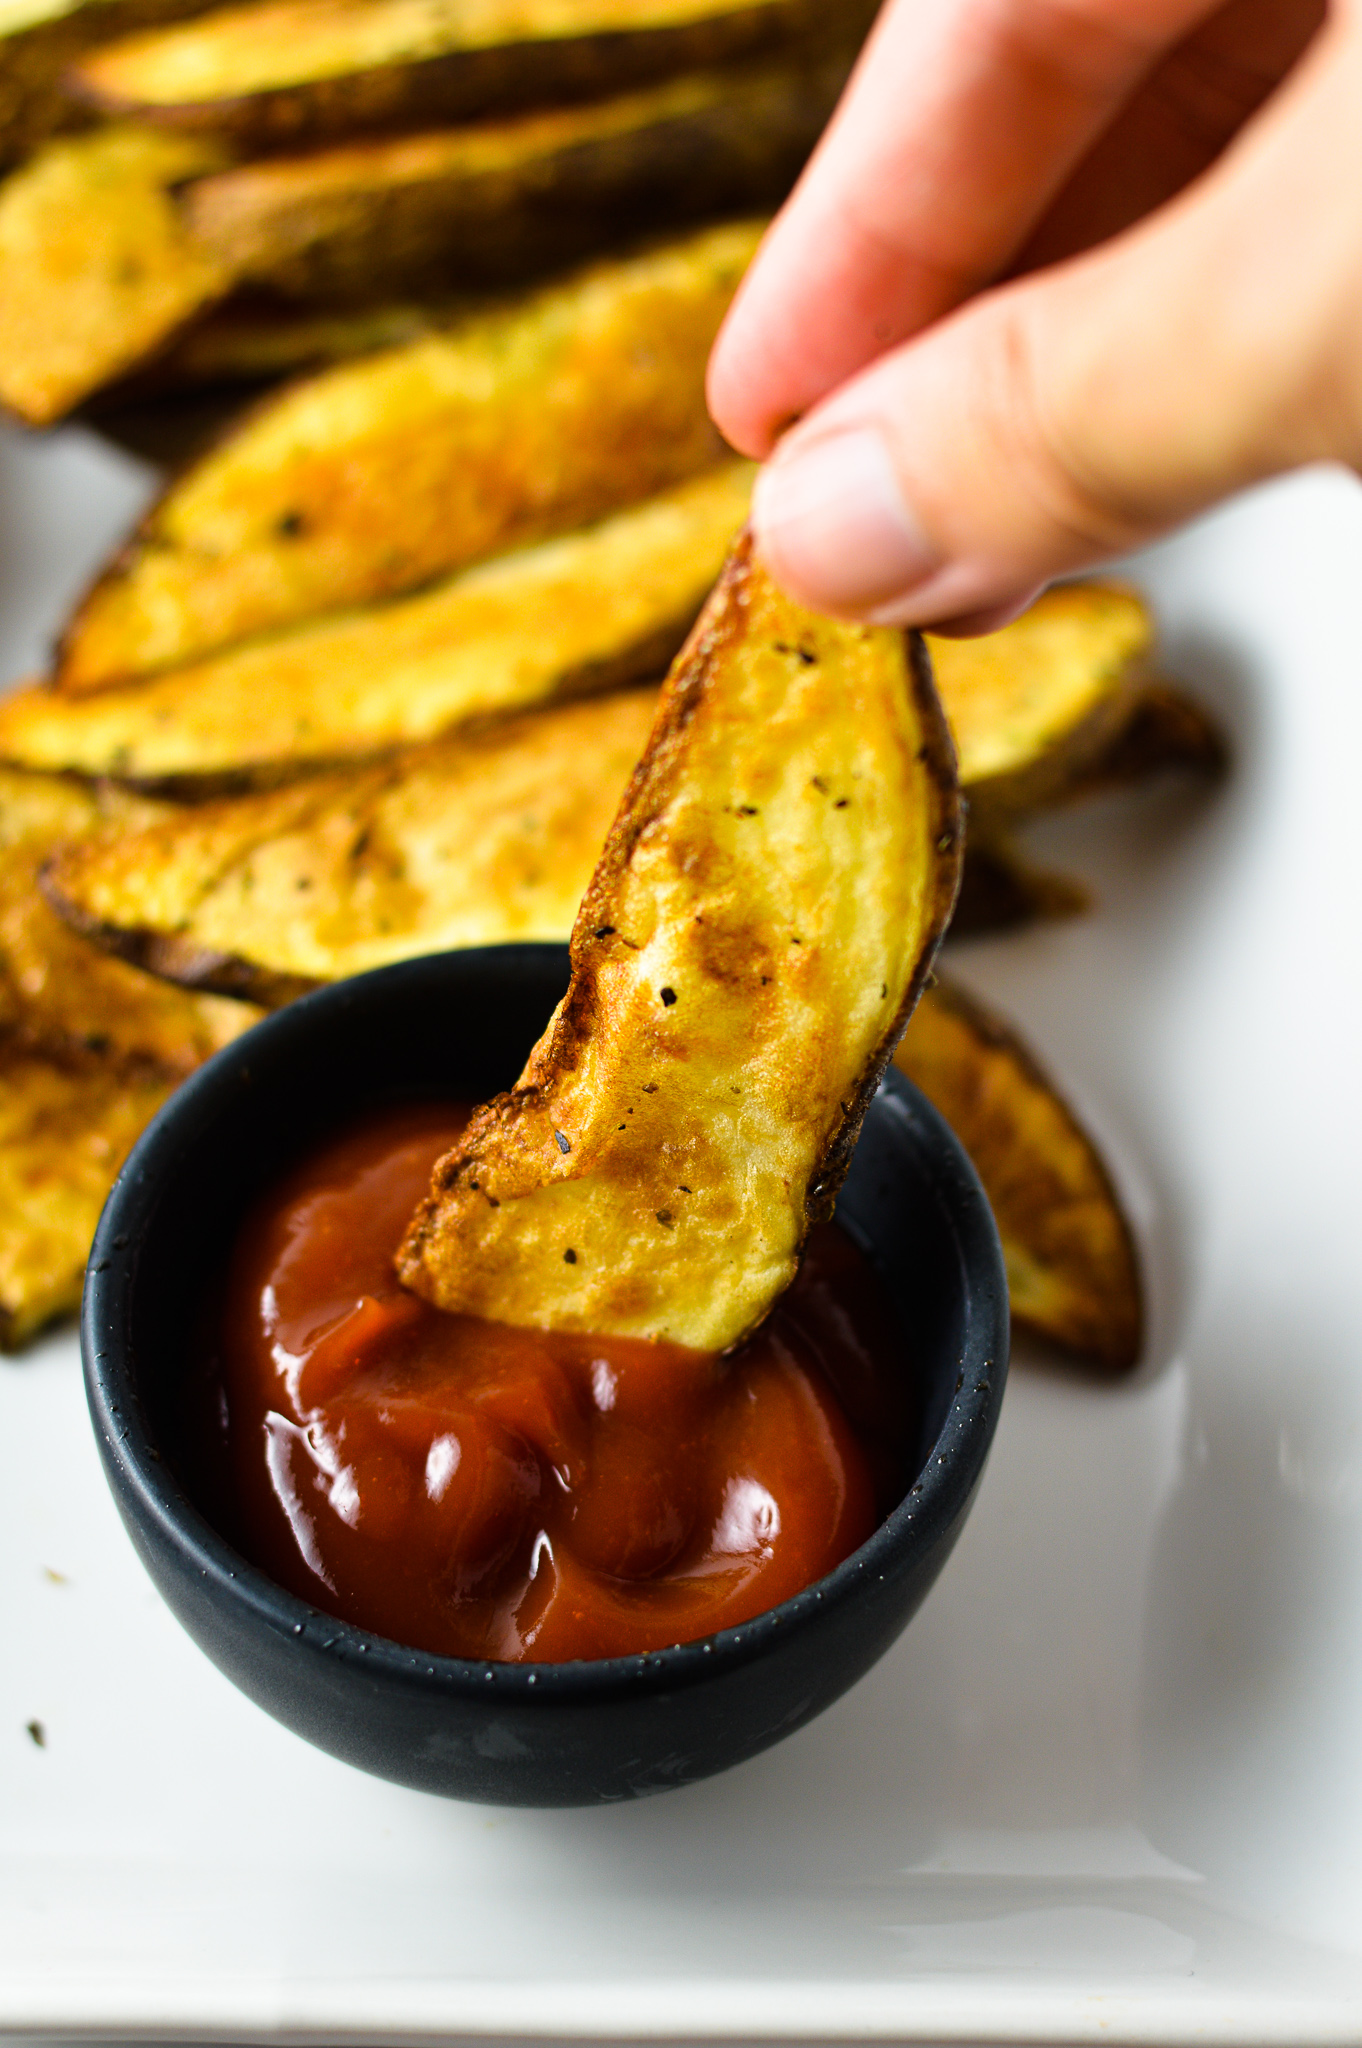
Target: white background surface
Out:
[1109,1785]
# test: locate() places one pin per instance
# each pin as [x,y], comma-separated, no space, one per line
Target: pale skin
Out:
[1061,275]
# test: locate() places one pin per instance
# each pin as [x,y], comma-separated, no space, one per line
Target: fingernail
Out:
[832,524]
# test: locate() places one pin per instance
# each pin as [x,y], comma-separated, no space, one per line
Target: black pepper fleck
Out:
[569,1257]
[563,1145]
[668,996]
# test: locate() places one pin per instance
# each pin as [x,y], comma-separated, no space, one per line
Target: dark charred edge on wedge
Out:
[169,958]
[946,828]
[1123,1348]
[471,84]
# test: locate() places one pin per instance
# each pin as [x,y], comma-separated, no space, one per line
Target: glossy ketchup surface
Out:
[482,1491]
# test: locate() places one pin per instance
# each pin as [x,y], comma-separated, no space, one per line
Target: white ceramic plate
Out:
[1109,1785]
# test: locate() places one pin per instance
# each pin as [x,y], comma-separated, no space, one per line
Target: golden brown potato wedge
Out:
[1032,705]
[65,1129]
[467,843]
[751,944]
[278,71]
[39,41]
[376,476]
[496,204]
[97,267]
[59,994]
[592,609]
[1072,1272]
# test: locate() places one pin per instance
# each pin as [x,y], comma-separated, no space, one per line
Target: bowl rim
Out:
[936,1500]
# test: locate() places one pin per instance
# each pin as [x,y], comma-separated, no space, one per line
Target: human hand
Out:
[1061,274]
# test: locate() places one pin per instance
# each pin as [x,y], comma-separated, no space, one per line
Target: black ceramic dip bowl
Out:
[460,1025]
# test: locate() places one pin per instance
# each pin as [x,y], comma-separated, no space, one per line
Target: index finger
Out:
[961,121]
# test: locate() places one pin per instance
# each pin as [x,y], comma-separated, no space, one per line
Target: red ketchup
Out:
[481,1491]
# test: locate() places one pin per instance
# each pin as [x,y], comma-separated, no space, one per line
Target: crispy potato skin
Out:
[756,932]
[286,71]
[379,475]
[500,203]
[98,268]
[569,617]
[472,842]
[1072,1271]
[65,1129]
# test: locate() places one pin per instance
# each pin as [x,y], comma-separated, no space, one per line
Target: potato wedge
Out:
[496,204]
[1072,1272]
[751,944]
[467,843]
[39,41]
[1032,705]
[569,616]
[279,71]
[60,995]
[97,266]
[376,476]
[65,1129]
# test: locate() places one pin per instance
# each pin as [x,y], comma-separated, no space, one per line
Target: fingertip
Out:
[733,394]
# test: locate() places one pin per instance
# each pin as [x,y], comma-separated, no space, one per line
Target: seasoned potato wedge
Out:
[1072,1272]
[281,70]
[65,1129]
[1032,705]
[61,995]
[40,39]
[379,475]
[97,267]
[751,944]
[467,843]
[496,204]
[608,605]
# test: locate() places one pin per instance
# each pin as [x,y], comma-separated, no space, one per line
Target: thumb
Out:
[1085,409]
